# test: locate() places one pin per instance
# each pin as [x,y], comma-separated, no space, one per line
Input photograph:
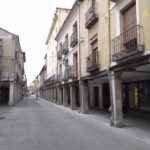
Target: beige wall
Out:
[68,29]
[100,28]
[143,19]
[51,45]
[83,38]
[10,65]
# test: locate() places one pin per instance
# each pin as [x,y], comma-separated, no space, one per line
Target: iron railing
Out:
[73,72]
[59,54]
[65,47]
[91,17]
[7,68]
[74,39]
[10,69]
[128,42]
[60,76]
[93,61]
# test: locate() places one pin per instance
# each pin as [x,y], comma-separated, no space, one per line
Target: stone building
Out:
[130,55]
[102,58]
[68,60]
[51,61]
[94,53]
[41,80]
[12,74]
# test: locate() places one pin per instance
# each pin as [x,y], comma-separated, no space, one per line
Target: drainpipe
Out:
[109,40]
[79,43]
[109,32]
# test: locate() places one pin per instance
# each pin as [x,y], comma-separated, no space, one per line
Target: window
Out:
[93,3]
[1,47]
[67,41]
[94,42]
[129,16]
[75,27]
[60,46]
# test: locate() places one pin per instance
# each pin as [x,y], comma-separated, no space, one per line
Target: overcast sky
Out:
[31,20]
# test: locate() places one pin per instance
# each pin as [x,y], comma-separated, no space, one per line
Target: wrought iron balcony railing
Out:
[114,1]
[128,43]
[7,68]
[93,61]
[66,73]
[73,72]
[59,54]
[91,17]
[65,47]
[60,76]
[74,39]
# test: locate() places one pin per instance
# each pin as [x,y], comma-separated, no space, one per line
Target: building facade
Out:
[102,58]
[51,62]
[12,74]
[68,60]
[129,70]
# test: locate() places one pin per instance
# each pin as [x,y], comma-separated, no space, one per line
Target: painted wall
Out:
[52,45]
[68,29]
[143,19]
[100,28]
[12,64]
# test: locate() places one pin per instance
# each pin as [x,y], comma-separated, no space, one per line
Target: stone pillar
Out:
[101,96]
[116,100]
[49,93]
[83,85]
[91,96]
[11,94]
[72,97]
[59,95]
[65,96]
[50,96]
[55,94]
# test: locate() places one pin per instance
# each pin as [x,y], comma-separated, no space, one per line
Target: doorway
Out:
[106,96]
[77,96]
[4,95]
[96,96]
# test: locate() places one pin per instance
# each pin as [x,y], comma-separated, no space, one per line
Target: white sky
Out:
[31,20]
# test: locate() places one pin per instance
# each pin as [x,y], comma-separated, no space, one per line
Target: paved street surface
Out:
[40,125]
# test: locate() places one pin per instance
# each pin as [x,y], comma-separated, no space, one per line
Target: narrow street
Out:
[40,125]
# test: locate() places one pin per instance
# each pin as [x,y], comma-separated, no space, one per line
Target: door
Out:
[4,95]
[129,17]
[106,96]
[75,63]
[96,97]
[129,27]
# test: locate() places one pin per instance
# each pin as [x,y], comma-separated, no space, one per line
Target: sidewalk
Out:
[134,128]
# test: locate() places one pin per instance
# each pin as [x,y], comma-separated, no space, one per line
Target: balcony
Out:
[74,39]
[128,44]
[65,47]
[7,68]
[93,61]
[73,72]
[114,1]
[91,17]
[60,76]
[66,73]
[59,54]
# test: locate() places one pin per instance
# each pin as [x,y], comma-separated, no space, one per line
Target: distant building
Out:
[12,73]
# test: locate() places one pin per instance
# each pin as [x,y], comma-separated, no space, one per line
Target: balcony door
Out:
[129,17]
[130,27]
[75,64]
